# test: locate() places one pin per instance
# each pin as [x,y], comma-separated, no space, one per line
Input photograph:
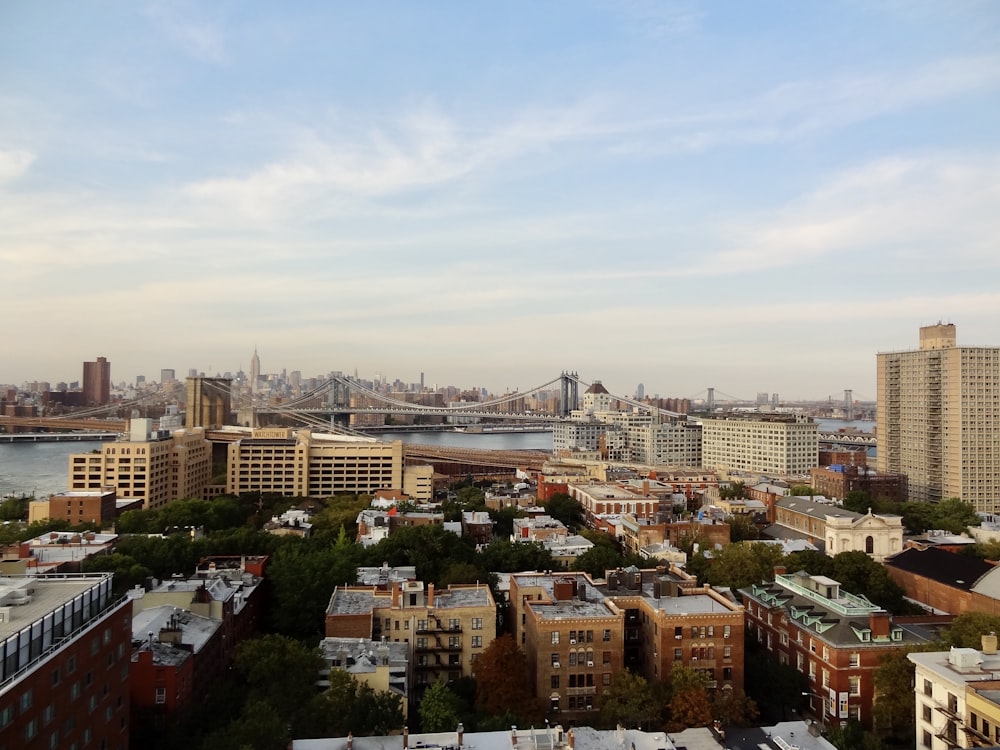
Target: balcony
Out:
[589,690]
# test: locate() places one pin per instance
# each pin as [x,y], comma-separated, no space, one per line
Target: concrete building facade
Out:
[939,418]
[772,444]
[156,466]
[307,464]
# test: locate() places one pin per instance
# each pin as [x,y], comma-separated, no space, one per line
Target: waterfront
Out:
[41,468]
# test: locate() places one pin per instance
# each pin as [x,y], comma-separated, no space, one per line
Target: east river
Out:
[40,469]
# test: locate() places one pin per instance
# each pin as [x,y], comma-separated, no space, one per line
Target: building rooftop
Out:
[951,569]
[30,598]
[195,630]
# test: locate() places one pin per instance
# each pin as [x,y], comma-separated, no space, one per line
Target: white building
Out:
[772,444]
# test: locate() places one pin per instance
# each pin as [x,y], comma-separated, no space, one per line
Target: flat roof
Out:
[47,594]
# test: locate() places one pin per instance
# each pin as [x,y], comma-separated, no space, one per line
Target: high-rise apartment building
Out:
[97,381]
[939,418]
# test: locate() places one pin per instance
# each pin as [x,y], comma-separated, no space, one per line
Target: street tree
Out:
[440,709]
[501,676]
[690,705]
[632,701]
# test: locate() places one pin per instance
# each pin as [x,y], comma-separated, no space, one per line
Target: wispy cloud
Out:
[14,163]
[196,36]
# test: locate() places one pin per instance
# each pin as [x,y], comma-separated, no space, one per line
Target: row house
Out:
[832,637]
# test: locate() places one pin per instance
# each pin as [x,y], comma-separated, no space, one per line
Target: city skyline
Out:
[682,194]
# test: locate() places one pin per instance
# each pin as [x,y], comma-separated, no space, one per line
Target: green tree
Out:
[742,528]
[852,736]
[632,701]
[740,565]
[859,574]
[440,709]
[598,560]
[734,708]
[564,508]
[776,688]
[894,706]
[858,501]
[967,630]
[802,490]
[353,706]
[734,491]
[505,556]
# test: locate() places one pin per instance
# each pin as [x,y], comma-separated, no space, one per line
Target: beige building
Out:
[835,529]
[446,631]
[307,464]
[939,418]
[784,445]
[578,633]
[156,466]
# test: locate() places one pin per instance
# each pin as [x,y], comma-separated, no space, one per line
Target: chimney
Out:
[395,596]
[513,736]
[879,623]
[461,733]
[780,570]
[406,737]
[571,738]
[430,596]
[990,644]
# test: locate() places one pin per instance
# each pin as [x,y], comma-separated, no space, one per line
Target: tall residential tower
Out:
[939,418]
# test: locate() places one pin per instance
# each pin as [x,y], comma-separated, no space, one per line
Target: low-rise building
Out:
[784,445]
[836,530]
[578,633]
[83,506]
[382,665]
[950,710]
[446,631]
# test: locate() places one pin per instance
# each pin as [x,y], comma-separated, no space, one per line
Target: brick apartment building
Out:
[832,637]
[577,634]
[64,678]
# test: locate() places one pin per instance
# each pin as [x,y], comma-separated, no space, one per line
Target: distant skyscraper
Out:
[640,392]
[939,418]
[254,371]
[97,381]
[167,375]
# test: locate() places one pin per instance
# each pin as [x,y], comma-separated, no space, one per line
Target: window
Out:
[855,660]
[854,685]
[607,635]
[555,637]
[572,658]
[678,633]
[25,700]
[477,641]
[928,688]
[477,623]
[925,739]
[606,678]
[454,641]
[6,716]
[555,660]
[726,631]
[826,678]
[554,682]
[678,654]
[606,658]
[421,624]
[454,624]
[31,729]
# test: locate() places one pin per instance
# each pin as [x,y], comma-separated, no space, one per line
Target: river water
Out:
[41,469]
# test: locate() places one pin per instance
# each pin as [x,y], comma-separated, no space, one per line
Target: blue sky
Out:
[749,196]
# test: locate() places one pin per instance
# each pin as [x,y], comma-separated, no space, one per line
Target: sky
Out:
[746,196]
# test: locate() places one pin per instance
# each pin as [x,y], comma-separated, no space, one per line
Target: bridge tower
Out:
[209,402]
[339,393]
[710,401]
[849,405]
[568,397]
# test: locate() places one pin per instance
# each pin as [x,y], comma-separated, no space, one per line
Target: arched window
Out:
[869,544]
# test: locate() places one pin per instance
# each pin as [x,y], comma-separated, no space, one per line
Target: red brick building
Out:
[940,579]
[64,680]
[832,637]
